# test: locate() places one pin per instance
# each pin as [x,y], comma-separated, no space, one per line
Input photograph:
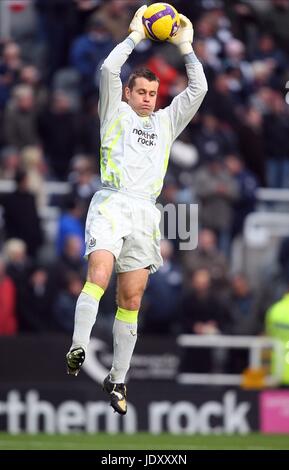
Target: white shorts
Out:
[127,227]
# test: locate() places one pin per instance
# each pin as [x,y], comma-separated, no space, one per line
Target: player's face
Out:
[142,98]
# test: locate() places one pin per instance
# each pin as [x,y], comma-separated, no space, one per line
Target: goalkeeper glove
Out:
[136,28]
[184,37]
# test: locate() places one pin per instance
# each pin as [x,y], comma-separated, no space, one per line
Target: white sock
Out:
[124,339]
[85,316]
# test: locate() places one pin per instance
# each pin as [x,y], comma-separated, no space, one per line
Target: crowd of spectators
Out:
[239,141]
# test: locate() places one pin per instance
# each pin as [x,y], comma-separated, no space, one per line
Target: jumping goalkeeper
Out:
[122,226]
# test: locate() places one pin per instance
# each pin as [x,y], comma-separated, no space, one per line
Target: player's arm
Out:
[110,83]
[186,104]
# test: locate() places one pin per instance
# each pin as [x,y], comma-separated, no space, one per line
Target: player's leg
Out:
[130,289]
[100,265]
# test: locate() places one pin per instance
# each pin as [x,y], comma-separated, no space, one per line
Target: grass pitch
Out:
[143,441]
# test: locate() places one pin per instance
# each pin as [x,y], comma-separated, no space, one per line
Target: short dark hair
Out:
[141,73]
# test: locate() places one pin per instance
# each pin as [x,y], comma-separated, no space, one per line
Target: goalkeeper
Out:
[122,224]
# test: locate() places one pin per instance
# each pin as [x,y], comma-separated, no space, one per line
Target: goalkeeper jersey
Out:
[134,149]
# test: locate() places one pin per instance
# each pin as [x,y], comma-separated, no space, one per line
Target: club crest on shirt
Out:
[92,242]
[147,124]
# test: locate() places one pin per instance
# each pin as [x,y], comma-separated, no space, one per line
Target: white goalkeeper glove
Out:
[136,27]
[184,37]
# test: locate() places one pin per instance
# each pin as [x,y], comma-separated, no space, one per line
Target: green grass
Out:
[145,441]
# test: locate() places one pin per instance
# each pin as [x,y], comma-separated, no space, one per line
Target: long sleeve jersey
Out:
[135,149]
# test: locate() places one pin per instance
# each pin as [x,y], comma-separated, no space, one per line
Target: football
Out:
[161,21]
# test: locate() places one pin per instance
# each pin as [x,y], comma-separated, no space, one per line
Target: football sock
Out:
[85,314]
[124,339]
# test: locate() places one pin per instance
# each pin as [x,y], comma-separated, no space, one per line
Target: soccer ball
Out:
[161,21]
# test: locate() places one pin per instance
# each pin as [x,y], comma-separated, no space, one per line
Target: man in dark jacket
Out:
[21,219]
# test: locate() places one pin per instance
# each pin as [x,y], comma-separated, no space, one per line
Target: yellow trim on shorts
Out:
[93,290]
[103,209]
[127,316]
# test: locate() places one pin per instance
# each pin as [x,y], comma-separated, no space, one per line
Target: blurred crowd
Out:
[239,141]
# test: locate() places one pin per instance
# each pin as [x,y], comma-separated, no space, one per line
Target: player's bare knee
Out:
[130,302]
[99,275]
